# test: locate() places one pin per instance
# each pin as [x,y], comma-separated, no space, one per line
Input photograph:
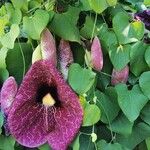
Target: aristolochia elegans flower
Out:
[48,46]
[65,57]
[96,54]
[7,96]
[45,109]
[120,76]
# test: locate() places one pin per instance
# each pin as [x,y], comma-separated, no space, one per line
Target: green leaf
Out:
[145,114]
[76,143]
[4,74]
[7,143]
[3,54]
[119,56]
[147,56]
[64,25]
[137,60]
[23,4]
[140,132]
[3,22]
[33,26]
[1,121]
[86,142]
[87,29]
[137,29]
[108,106]
[112,2]
[92,115]
[131,102]
[147,2]
[98,5]
[15,15]
[125,31]
[44,147]
[102,145]
[18,60]
[148,143]
[144,83]
[85,5]
[81,80]
[122,125]
[10,36]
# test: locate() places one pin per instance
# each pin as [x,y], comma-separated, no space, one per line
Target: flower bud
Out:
[120,76]
[96,55]
[48,47]
[65,57]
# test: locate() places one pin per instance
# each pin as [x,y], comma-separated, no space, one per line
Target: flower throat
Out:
[48,96]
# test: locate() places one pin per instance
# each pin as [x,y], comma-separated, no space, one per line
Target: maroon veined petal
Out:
[8,93]
[120,76]
[32,123]
[96,54]
[68,120]
[65,57]
[48,46]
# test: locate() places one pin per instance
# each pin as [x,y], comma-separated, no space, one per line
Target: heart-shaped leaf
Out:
[144,83]
[119,56]
[137,60]
[145,114]
[131,102]
[103,145]
[64,25]
[33,26]
[80,79]
[10,36]
[122,125]
[147,54]
[107,104]
[98,5]
[91,115]
[125,31]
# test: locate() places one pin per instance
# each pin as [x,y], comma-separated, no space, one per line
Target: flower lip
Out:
[43,91]
[30,123]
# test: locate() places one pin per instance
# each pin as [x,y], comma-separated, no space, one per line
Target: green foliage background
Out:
[115,118]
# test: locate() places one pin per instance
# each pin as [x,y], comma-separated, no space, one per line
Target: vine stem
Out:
[23,58]
[94,27]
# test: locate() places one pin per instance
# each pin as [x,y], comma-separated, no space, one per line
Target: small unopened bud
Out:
[96,55]
[120,76]
[8,93]
[48,46]
[65,57]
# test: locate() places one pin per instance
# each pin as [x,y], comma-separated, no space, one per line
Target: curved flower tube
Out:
[45,109]
[96,55]
[65,57]
[48,46]
[120,76]
[8,93]
[7,96]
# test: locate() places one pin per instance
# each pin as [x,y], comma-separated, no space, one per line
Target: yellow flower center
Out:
[48,100]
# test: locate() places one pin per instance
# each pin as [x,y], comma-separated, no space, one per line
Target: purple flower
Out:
[96,54]
[7,96]
[65,57]
[8,93]
[48,46]
[144,16]
[120,76]
[45,109]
